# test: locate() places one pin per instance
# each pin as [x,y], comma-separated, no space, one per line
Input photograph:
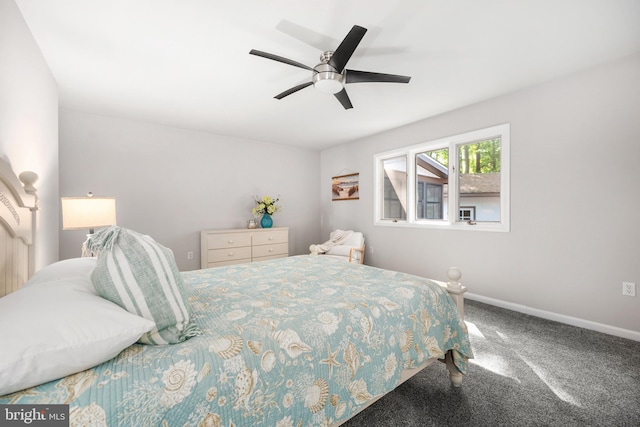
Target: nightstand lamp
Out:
[89,212]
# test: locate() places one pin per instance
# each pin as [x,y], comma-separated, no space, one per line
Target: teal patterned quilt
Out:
[298,341]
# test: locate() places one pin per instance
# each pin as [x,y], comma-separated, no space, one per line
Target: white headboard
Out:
[18,204]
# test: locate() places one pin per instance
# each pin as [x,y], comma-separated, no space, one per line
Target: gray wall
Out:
[29,122]
[575,172]
[170,183]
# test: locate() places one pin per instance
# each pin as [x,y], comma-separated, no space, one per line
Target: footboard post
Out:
[456,291]
[455,288]
[454,375]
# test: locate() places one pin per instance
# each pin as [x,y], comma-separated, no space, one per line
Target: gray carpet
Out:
[527,371]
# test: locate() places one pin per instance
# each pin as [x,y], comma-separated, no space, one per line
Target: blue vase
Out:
[266,221]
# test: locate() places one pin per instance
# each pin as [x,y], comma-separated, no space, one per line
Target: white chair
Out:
[351,249]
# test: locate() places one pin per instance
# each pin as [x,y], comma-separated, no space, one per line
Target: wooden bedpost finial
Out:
[454,274]
[29,178]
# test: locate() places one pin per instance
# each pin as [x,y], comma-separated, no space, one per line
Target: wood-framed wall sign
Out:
[345,187]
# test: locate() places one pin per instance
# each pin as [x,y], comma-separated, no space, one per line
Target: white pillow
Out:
[50,329]
[74,268]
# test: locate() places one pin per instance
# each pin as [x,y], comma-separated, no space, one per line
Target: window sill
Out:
[443,225]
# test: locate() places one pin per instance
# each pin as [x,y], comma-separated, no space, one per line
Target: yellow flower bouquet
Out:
[266,205]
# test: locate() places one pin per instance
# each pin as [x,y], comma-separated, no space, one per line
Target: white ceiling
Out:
[186,63]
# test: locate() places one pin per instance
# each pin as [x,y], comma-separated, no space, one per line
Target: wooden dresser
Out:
[227,247]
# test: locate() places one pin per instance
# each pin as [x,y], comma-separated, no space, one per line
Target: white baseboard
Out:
[573,321]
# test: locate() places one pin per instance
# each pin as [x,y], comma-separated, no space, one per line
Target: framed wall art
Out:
[345,187]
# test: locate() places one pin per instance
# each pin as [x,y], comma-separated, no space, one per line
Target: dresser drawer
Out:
[229,254]
[271,237]
[228,240]
[270,250]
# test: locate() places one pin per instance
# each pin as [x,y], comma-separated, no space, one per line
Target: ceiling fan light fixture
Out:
[327,80]
[329,86]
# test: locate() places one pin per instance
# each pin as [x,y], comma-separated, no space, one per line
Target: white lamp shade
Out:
[88,212]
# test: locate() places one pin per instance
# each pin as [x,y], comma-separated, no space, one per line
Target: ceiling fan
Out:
[330,75]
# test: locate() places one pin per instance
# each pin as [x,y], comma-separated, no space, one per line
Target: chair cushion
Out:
[340,250]
[355,239]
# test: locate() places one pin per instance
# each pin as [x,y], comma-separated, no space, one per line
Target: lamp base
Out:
[85,250]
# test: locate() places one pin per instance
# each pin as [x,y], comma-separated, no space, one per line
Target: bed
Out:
[302,340]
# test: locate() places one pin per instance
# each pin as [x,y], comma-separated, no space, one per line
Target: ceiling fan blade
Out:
[292,90]
[306,35]
[347,47]
[279,59]
[356,76]
[344,99]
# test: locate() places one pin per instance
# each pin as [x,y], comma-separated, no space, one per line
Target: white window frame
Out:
[452,143]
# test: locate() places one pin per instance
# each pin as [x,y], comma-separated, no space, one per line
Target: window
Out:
[467,213]
[429,201]
[458,182]
[394,188]
[431,182]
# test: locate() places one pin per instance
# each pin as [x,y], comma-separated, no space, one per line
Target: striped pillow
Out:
[141,276]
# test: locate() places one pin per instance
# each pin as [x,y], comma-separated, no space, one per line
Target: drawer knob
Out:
[230,241]
[270,238]
[230,254]
[270,250]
